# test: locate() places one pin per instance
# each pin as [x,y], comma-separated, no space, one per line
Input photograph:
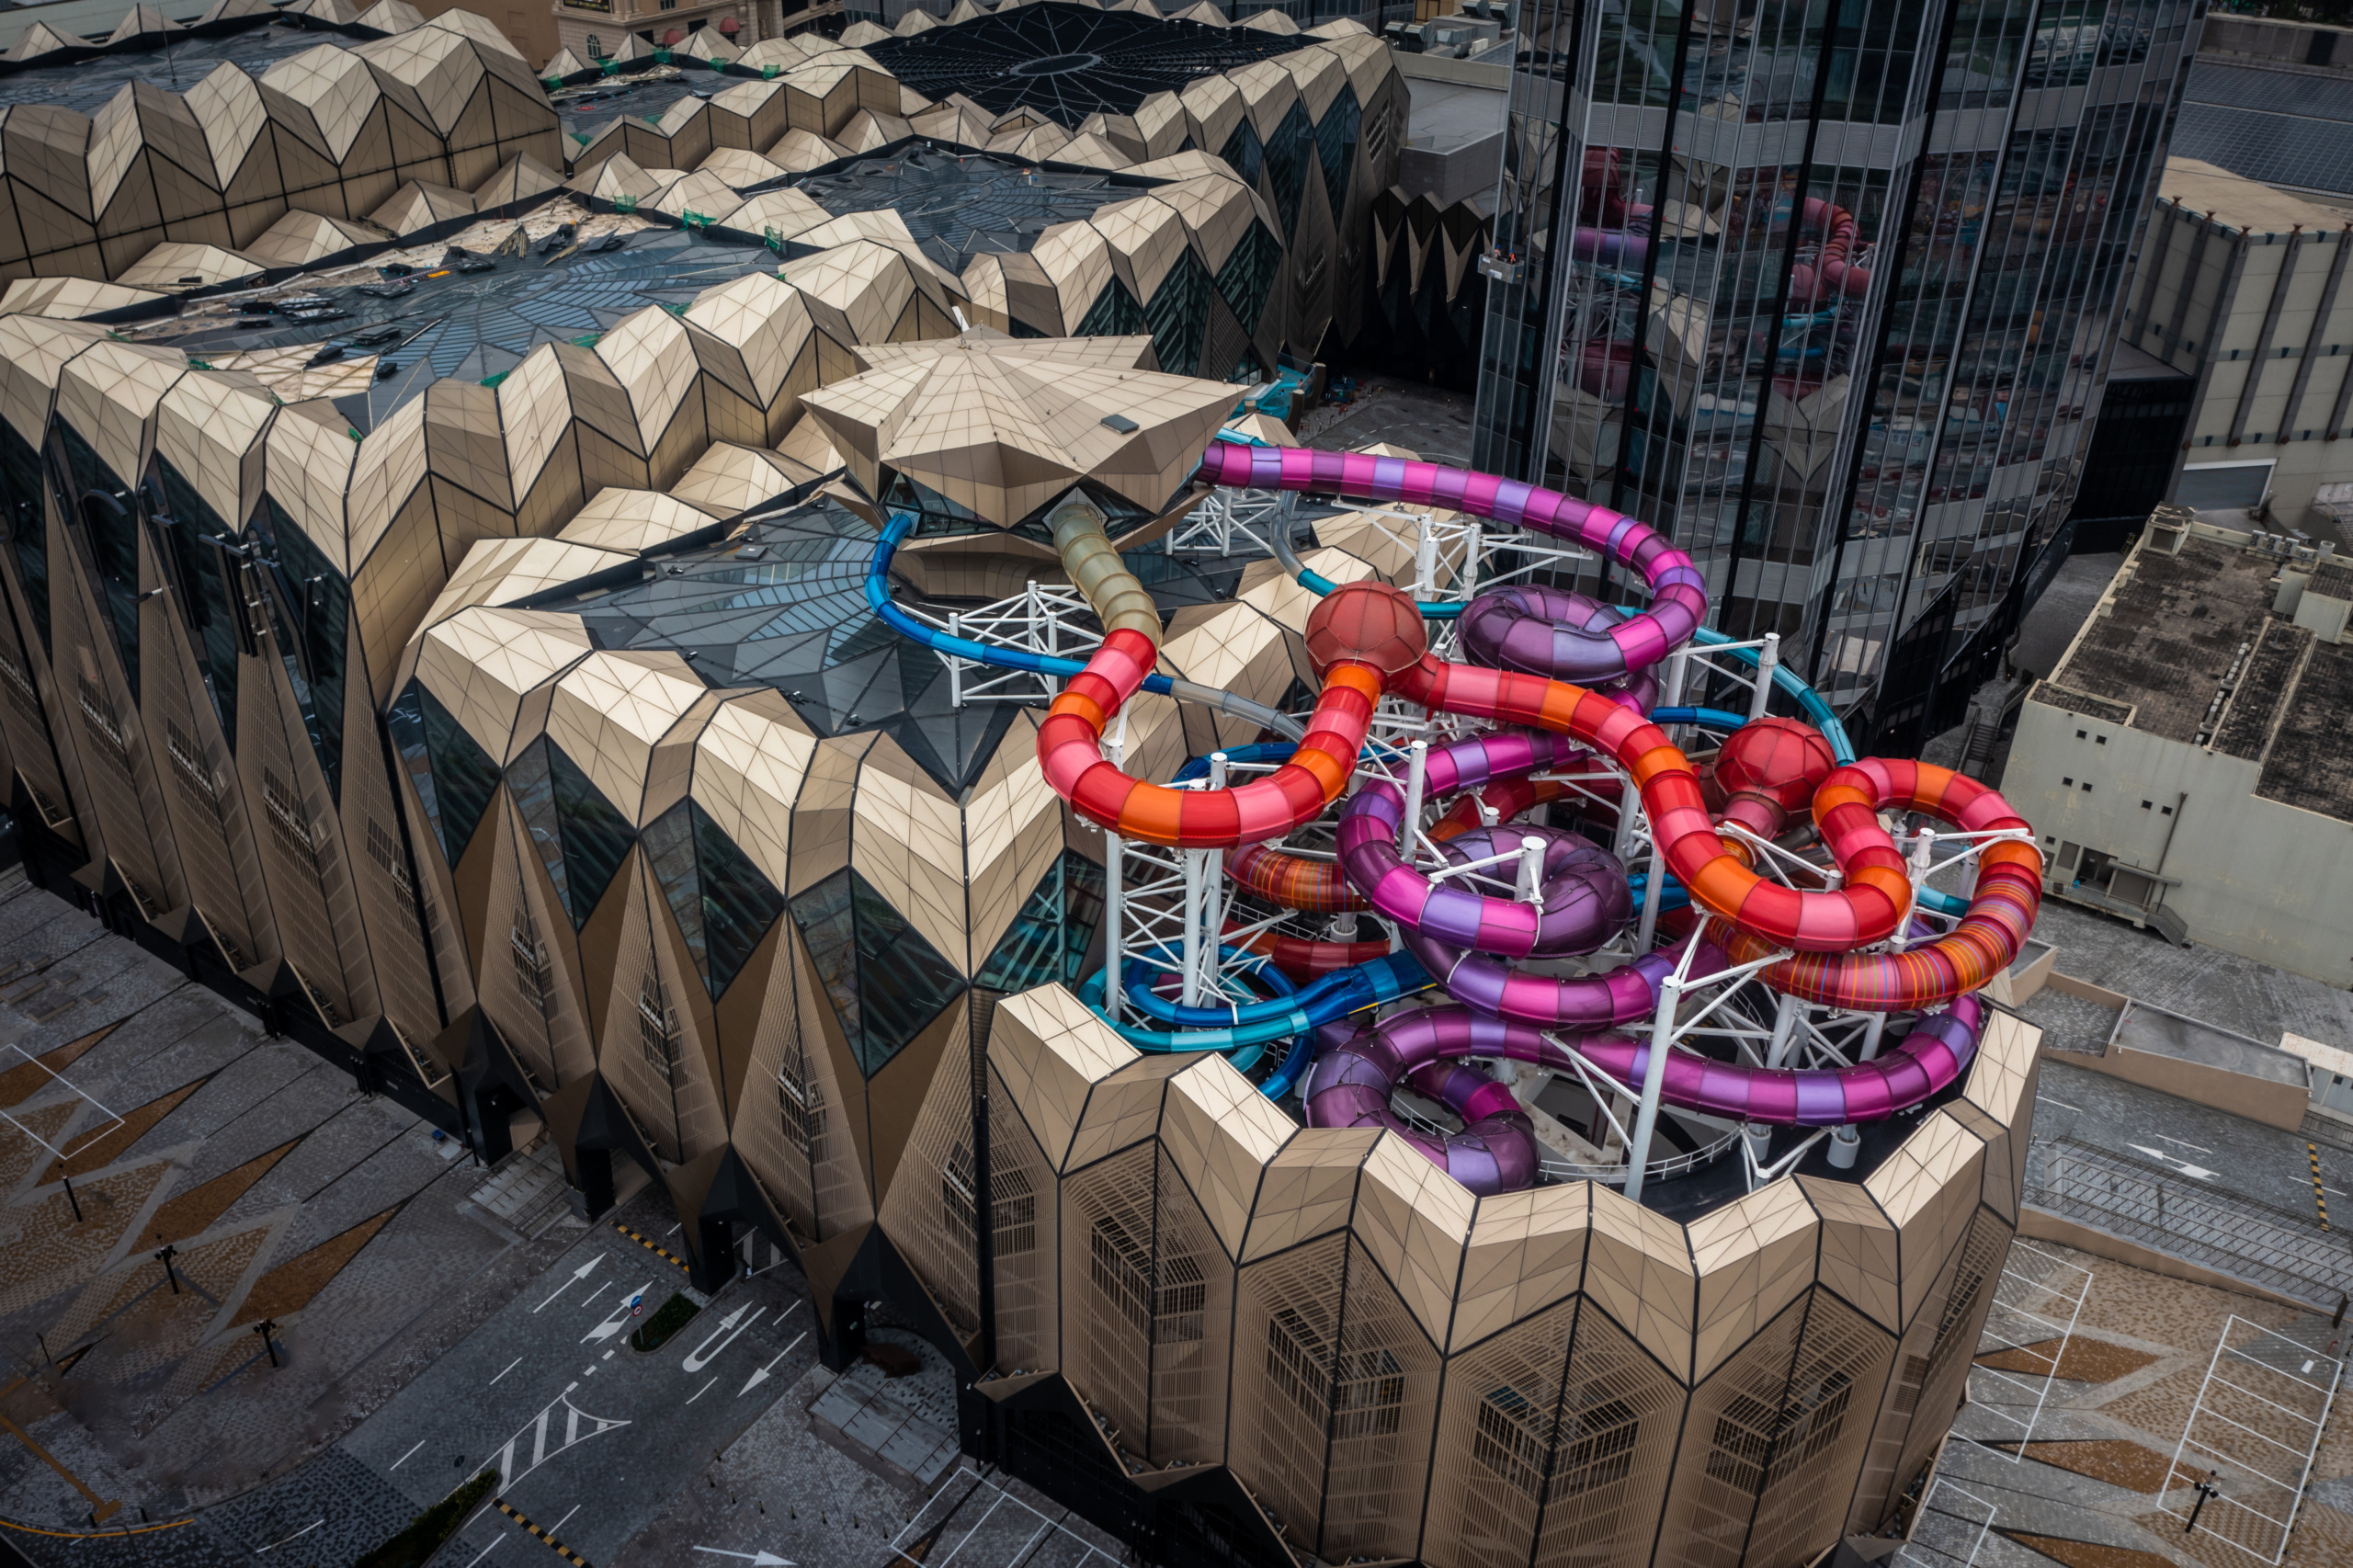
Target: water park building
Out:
[1352,1048]
[1825,292]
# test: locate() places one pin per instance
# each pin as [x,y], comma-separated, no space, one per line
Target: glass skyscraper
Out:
[1824,290]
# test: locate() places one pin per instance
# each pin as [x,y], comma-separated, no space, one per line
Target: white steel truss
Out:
[1226,516]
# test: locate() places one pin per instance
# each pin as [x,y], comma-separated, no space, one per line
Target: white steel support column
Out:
[1638,1155]
[1769,659]
[1409,832]
[1114,902]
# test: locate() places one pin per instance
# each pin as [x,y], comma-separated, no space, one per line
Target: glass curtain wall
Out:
[1823,288]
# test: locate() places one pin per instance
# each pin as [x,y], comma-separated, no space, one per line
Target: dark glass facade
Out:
[1049,938]
[885,981]
[1823,290]
[724,904]
[455,779]
[581,837]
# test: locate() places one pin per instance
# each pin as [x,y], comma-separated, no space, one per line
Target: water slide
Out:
[1560,685]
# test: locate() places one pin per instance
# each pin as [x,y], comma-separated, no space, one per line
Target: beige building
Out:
[2184,762]
[2245,287]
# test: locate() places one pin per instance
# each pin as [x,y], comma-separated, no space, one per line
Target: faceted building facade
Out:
[1825,292]
[1273,143]
[191,179]
[539,754]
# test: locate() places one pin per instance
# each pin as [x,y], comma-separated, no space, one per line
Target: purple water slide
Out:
[1550,632]
[1355,1071]
[1461,937]
[1679,590]
[1938,1051]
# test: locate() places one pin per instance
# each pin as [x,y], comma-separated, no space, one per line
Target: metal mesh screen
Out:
[1026,1200]
[1107,1290]
[842,1199]
[1727,1450]
[1193,1328]
[1286,1338]
[1907,1381]
[1384,1405]
[1824,1428]
[1493,1455]
[931,1210]
[1618,1418]
[1958,1326]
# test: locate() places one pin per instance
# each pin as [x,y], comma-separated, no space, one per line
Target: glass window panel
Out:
[110,513]
[1048,939]
[533,792]
[454,776]
[320,601]
[1249,273]
[596,836]
[192,537]
[886,982]
[20,507]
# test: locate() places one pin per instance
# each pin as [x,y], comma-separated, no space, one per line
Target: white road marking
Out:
[596,1293]
[757,1559]
[2176,1161]
[541,1454]
[761,1375]
[2063,1105]
[725,1334]
[559,1524]
[2192,1147]
[577,1275]
[487,1550]
[504,1371]
[701,1391]
[407,1457]
[619,1318]
[298,1535]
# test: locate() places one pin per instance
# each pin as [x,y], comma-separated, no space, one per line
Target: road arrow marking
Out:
[2176,1161]
[733,1324]
[757,1559]
[620,1320]
[761,1376]
[577,1275]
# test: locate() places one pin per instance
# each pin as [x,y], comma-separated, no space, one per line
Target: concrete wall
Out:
[2041,1225]
[2220,336]
[2258,878]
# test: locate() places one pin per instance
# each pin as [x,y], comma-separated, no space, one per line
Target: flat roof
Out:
[2187,647]
[1450,116]
[2242,202]
[2169,630]
[2284,127]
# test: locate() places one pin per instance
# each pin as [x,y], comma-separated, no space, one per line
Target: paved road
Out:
[590,1436]
[2208,1149]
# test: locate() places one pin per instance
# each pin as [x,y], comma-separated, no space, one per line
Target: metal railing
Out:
[2240,1236]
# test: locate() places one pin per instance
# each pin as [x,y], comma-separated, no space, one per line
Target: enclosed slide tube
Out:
[1678,592]
[1352,1079]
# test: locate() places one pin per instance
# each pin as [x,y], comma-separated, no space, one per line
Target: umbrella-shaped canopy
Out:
[1002,426]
